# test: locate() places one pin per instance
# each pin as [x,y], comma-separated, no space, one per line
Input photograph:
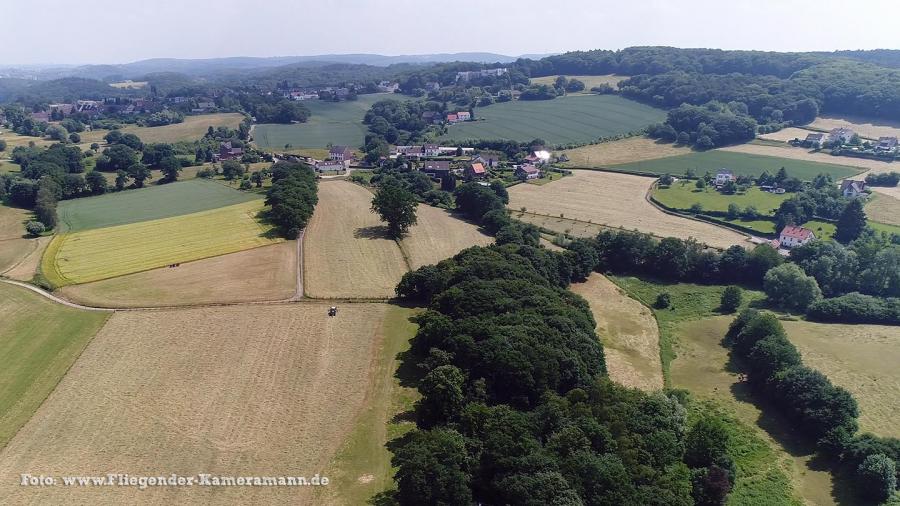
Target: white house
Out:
[853,189]
[841,134]
[431,150]
[340,154]
[816,140]
[724,176]
[793,236]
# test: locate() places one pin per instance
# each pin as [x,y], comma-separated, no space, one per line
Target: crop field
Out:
[803,155]
[439,235]
[346,249]
[884,209]
[629,333]
[259,274]
[330,122]
[787,134]
[39,341]
[745,159]
[589,81]
[191,129]
[102,253]
[576,118]
[151,203]
[632,149]
[861,358]
[252,390]
[613,200]
[683,194]
[865,127]
[13,245]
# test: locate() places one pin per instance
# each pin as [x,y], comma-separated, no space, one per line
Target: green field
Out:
[683,196]
[102,253]
[739,163]
[151,203]
[337,123]
[571,119]
[39,341]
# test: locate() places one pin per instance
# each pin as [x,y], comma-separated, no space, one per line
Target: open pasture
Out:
[14,247]
[150,203]
[191,129]
[102,253]
[329,122]
[613,200]
[563,120]
[259,274]
[589,81]
[683,194]
[632,149]
[802,155]
[629,333]
[39,341]
[745,159]
[346,250]
[249,390]
[439,235]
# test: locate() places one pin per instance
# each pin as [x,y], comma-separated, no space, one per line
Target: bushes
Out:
[293,197]
[731,299]
[886,179]
[856,308]
[789,287]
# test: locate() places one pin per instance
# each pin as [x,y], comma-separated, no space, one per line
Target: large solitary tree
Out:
[397,207]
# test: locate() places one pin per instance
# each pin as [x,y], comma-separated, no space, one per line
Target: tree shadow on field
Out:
[373,232]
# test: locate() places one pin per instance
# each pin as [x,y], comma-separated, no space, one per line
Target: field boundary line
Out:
[54,298]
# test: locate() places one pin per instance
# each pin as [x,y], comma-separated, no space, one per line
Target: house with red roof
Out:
[527,171]
[475,171]
[793,236]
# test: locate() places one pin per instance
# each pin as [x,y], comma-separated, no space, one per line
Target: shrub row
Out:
[856,308]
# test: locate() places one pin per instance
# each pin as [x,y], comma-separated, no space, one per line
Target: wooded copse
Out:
[293,197]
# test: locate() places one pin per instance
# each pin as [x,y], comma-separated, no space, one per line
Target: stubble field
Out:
[865,127]
[632,149]
[231,391]
[884,208]
[614,200]
[439,235]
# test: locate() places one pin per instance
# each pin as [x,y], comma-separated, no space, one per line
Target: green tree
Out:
[663,300]
[397,207]
[232,169]
[877,477]
[733,211]
[35,228]
[96,182]
[700,184]
[789,287]
[852,222]
[731,300]
[139,173]
[442,396]
[170,167]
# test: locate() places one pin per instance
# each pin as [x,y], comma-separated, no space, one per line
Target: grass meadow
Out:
[150,203]
[39,341]
[564,120]
[102,253]
[740,163]
[683,194]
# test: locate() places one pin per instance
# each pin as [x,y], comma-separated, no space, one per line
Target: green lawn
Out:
[683,196]
[151,203]
[885,227]
[39,341]
[739,163]
[330,122]
[571,119]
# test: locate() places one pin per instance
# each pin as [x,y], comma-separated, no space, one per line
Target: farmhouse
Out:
[853,189]
[330,166]
[464,116]
[487,162]
[526,172]
[793,236]
[431,150]
[453,118]
[228,152]
[436,169]
[340,154]
[884,143]
[538,157]
[475,171]
[841,134]
[724,176]
[816,140]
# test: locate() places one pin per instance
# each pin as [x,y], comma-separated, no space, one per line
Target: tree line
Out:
[292,197]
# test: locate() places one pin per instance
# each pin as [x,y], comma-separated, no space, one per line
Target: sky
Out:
[121,31]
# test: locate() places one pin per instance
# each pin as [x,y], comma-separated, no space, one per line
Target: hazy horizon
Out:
[116,32]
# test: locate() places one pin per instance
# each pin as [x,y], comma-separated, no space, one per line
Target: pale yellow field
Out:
[614,200]
[135,85]
[632,149]
[861,358]
[872,166]
[629,333]
[252,390]
[345,247]
[103,253]
[787,134]
[884,208]
[865,127]
[439,235]
[589,81]
[191,129]
[259,274]
[14,247]
[26,257]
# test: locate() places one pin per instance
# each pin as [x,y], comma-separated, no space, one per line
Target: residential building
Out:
[816,140]
[853,189]
[472,74]
[340,154]
[724,176]
[436,168]
[464,116]
[486,161]
[228,152]
[538,157]
[841,134]
[330,166]
[527,171]
[475,171]
[884,143]
[452,118]
[431,150]
[793,236]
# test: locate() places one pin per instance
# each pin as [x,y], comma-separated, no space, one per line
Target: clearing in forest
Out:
[439,235]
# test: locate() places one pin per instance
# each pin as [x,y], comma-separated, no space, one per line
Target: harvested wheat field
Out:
[439,235]
[884,208]
[615,200]
[787,134]
[861,358]
[14,247]
[231,391]
[629,333]
[632,149]
[346,250]
[788,151]
[25,267]
[865,127]
[259,274]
